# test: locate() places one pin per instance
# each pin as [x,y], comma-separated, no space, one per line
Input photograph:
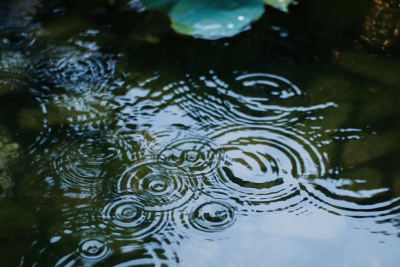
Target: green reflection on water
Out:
[122,142]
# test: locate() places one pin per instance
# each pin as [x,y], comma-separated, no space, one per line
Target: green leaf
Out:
[209,19]
[280,4]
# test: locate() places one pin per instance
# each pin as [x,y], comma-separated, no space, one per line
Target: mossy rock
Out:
[379,103]
[363,101]
[357,152]
[335,94]
[385,71]
[332,87]
[331,121]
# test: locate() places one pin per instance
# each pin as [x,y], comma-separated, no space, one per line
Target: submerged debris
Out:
[381,29]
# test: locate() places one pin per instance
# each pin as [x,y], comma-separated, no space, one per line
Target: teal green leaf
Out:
[280,4]
[209,19]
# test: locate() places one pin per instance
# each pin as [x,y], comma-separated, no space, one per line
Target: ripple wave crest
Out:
[158,186]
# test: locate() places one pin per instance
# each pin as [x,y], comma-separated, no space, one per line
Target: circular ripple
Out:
[14,71]
[76,69]
[252,98]
[181,148]
[157,186]
[127,219]
[212,217]
[87,111]
[263,168]
[92,249]
[14,38]
[81,164]
[87,67]
[261,95]
[331,195]
[255,98]
[195,154]
[132,146]
[206,219]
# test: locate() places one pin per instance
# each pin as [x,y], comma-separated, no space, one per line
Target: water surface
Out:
[123,143]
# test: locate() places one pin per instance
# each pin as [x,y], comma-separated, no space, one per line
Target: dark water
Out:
[125,144]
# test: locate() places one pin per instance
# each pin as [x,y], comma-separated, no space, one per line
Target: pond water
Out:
[123,143]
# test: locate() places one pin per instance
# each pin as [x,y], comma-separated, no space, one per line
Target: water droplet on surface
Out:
[207,219]
[81,164]
[127,219]
[92,249]
[195,154]
[212,216]
[158,186]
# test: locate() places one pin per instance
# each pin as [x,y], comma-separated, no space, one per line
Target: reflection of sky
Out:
[304,235]
[314,238]
[283,215]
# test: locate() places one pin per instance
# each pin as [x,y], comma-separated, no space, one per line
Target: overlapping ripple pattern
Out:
[127,219]
[76,69]
[262,167]
[191,159]
[252,98]
[81,164]
[246,146]
[158,187]
[15,37]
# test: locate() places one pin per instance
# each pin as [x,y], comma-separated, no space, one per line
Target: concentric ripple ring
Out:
[92,249]
[207,219]
[75,69]
[158,186]
[212,217]
[80,164]
[263,167]
[15,38]
[127,219]
[195,154]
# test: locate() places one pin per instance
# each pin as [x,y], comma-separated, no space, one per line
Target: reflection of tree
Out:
[381,27]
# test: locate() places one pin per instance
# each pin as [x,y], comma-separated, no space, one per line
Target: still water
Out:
[123,143]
